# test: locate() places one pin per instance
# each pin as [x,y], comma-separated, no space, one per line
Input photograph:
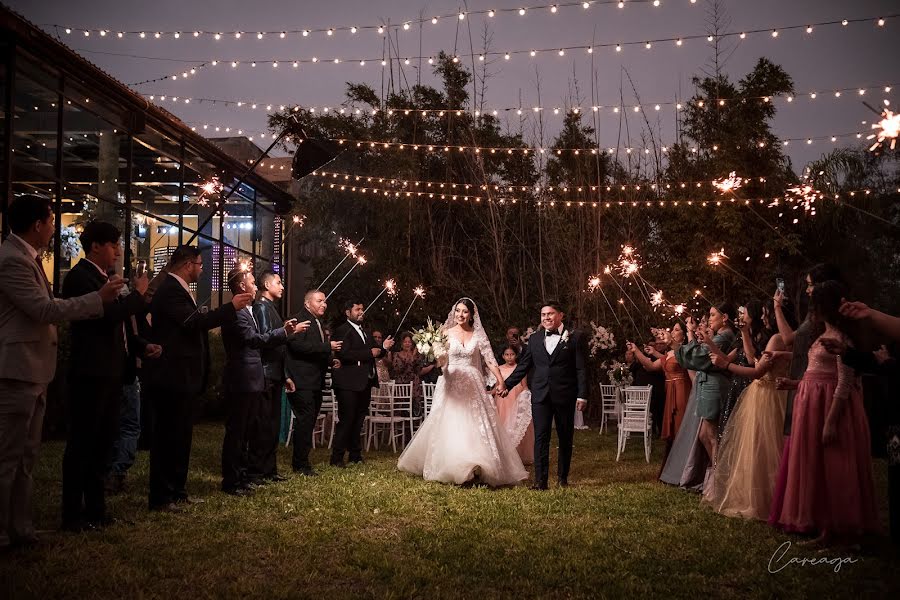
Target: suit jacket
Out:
[181,329]
[558,378]
[243,362]
[28,313]
[269,319]
[98,346]
[357,370]
[308,356]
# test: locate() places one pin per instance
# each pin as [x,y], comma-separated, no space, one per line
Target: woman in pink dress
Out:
[828,470]
[508,407]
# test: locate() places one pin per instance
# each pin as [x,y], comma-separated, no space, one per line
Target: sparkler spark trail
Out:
[350,249]
[418,292]
[729,184]
[390,286]
[889,129]
[360,260]
[594,284]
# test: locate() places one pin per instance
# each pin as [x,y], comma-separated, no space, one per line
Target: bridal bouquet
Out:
[620,375]
[430,341]
[602,339]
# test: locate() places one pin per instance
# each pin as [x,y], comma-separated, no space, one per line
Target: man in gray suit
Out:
[28,313]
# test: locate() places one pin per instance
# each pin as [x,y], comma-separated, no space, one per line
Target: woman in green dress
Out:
[712,384]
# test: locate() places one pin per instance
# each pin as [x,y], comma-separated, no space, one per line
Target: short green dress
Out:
[711,383]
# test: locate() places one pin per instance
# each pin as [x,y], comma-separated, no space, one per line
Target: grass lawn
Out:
[370,531]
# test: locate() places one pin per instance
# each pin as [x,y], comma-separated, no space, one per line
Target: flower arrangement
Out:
[620,375]
[430,341]
[69,242]
[602,339]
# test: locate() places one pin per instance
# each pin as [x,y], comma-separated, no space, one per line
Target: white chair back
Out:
[428,397]
[608,405]
[636,417]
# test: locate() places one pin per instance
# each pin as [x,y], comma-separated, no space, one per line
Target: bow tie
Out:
[553,332]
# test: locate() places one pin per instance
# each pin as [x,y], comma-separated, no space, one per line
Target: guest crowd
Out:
[761,412]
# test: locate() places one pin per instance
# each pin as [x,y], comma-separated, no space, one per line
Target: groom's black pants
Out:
[353,406]
[544,414]
[306,405]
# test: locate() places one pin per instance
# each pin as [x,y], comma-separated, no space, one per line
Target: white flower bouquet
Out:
[620,375]
[430,341]
[602,339]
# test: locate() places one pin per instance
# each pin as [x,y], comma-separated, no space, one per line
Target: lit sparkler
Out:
[889,128]
[418,292]
[727,185]
[350,249]
[360,260]
[656,299]
[390,286]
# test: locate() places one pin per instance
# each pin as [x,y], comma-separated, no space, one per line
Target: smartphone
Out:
[141,268]
[779,284]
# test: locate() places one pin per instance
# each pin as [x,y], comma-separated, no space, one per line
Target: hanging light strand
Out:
[525,111]
[769,32]
[189,33]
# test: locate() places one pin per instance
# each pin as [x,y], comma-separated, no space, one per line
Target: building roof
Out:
[42,46]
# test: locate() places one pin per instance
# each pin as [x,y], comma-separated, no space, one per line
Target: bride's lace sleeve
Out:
[487,353]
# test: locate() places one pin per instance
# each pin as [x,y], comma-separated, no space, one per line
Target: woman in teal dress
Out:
[711,383]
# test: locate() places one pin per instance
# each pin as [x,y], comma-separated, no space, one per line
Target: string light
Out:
[611,108]
[678,41]
[405,25]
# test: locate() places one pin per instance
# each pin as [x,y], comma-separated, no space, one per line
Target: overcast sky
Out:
[831,57]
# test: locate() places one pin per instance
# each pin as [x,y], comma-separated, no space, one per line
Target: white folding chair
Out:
[403,404]
[607,405]
[636,418]
[329,406]
[384,417]
[427,398]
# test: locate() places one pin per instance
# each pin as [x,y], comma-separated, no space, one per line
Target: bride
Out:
[462,439]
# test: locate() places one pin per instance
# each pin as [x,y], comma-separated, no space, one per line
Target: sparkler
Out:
[889,128]
[727,185]
[717,259]
[594,284]
[212,187]
[419,292]
[350,249]
[390,286]
[360,260]
[806,195]
[656,299]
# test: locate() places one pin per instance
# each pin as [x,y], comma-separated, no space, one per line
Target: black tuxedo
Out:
[307,360]
[97,362]
[556,381]
[353,384]
[175,381]
[262,447]
[244,383]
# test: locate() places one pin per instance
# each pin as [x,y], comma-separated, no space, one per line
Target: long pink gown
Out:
[827,488]
[506,413]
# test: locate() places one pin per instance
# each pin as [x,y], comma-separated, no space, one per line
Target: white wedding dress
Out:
[462,438]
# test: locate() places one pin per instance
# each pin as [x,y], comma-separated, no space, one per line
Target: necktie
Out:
[321,333]
[553,332]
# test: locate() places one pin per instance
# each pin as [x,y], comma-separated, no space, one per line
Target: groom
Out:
[555,361]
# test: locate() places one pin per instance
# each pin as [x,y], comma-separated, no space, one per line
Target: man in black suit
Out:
[180,375]
[308,357]
[555,361]
[244,380]
[262,446]
[96,368]
[354,381]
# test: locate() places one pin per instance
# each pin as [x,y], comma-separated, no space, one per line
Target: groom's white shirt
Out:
[552,341]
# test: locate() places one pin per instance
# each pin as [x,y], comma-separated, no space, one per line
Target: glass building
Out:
[72,133]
